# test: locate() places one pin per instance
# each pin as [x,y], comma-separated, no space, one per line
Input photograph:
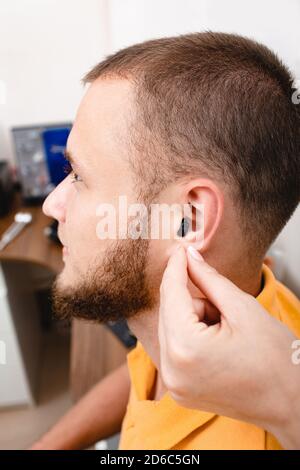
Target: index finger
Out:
[176,303]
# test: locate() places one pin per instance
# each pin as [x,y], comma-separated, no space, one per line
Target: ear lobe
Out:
[195,235]
[207,204]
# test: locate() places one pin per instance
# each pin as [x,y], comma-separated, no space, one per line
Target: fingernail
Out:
[195,254]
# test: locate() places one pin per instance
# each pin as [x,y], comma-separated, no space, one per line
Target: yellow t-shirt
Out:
[164,425]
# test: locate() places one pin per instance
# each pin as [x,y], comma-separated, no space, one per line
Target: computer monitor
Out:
[39,151]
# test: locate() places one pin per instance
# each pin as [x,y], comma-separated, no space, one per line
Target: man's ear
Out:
[206,206]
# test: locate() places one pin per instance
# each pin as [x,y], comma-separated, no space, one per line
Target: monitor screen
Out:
[40,158]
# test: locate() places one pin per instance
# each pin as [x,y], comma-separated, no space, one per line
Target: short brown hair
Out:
[220,104]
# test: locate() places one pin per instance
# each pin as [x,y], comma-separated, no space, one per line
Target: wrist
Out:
[285,422]
[46,442]
[39,445]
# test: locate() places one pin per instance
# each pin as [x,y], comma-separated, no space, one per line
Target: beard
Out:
[114,288]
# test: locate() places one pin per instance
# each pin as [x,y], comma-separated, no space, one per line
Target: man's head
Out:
[204,119]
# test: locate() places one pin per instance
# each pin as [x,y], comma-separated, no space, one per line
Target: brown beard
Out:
[116,289]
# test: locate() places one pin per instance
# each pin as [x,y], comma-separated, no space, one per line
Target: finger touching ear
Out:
[219,290]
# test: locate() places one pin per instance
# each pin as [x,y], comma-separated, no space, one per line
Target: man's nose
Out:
[55,204]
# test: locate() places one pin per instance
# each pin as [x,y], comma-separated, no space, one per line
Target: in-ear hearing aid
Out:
[184,227]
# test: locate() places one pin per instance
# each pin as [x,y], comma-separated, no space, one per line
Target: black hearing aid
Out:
[184,227]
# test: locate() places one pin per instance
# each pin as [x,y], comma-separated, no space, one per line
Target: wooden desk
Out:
[31,245]
[95,351]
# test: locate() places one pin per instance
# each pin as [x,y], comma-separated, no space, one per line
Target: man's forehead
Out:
[102,119]
[106,98]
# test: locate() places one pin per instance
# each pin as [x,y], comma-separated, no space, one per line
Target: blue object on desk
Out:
[55,141]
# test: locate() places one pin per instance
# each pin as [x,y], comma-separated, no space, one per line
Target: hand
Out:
[225,353]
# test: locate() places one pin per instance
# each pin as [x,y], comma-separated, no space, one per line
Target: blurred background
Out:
[46,47]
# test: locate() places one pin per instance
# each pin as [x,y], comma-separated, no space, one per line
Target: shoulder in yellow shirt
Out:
[165,425]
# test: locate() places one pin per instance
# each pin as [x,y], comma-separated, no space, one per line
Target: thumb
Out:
[219,290]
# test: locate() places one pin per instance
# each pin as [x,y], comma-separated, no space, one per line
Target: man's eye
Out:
[75,178]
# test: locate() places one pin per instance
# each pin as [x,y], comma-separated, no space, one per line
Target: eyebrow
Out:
[82,169]
[68,156]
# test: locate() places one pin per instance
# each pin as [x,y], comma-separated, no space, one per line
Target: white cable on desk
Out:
[21,220]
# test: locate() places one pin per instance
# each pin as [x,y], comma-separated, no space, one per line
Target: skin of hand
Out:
[225,353]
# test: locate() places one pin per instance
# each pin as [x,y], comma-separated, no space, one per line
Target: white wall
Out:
[289,244]
[46,46]
[274,22]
